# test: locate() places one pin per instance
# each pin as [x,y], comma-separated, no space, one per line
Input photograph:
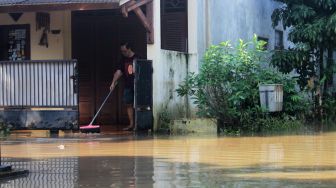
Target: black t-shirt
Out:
[126,67]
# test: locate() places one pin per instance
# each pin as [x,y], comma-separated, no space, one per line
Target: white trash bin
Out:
[271,97]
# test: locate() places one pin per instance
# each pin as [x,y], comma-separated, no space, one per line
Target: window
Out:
[264,39]
[174,25]
[278,44]
[14,42]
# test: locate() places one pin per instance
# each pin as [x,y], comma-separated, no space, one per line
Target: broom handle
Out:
[101,107]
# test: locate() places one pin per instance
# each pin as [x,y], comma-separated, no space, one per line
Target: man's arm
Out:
[116,77]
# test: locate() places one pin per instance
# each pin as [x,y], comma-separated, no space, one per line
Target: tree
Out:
[312,28]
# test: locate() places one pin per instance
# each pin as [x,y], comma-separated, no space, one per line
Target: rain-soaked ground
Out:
[173,161]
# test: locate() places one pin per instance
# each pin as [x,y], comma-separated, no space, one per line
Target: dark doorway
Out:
[96,36]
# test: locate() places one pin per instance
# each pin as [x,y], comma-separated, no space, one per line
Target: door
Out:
[96,44]
[83,51]
[106,61]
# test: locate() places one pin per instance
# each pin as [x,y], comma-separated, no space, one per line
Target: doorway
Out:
[96,37]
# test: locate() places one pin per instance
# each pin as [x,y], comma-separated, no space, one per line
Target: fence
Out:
[38,83]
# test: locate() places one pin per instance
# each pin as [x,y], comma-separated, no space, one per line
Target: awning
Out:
[49,5]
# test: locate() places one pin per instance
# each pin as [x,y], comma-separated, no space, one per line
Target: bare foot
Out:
[129,128]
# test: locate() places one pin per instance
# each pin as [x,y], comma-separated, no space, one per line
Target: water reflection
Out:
[131,161]
[52,172]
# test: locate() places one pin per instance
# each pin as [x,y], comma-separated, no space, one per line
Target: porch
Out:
[89,32]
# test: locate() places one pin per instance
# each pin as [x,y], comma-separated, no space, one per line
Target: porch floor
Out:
[104,129]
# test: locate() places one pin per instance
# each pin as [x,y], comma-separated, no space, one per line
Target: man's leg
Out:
[130,114]
[128,100]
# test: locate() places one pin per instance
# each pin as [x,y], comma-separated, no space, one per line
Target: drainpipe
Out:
[188,112]
[207,24]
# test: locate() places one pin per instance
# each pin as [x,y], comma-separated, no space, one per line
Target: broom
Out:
[94,128]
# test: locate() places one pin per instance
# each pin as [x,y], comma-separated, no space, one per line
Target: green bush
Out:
[283,124]
[165,119]
[329,109]
[269,126]
[226,87]
[4,129]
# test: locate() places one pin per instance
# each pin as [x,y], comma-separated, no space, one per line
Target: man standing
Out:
[125,69]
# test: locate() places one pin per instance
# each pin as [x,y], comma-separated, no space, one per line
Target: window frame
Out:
[259,38]
[178,45]
[276,46]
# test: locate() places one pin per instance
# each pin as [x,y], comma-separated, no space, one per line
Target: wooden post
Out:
[149,12]
[146,20]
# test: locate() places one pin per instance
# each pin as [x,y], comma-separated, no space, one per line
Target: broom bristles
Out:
[90,127]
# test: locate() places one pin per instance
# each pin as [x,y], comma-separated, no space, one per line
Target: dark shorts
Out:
[128,97]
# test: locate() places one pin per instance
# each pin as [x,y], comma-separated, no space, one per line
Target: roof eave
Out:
[58,7]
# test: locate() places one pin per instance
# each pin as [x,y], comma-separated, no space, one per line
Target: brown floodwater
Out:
[173,161]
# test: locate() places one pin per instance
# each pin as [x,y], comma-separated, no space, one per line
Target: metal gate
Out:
[39,94]
[143,94]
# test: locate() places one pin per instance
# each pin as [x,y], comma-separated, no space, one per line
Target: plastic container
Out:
[271,97]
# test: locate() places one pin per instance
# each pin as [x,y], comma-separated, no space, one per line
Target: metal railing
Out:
[50,83]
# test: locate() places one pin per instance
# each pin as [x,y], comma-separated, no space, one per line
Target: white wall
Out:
[223,20]
[171,68]
[59,45]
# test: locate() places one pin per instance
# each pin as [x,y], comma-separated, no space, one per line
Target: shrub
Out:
[329,109]
[4,129]
[164,120]
[226,87]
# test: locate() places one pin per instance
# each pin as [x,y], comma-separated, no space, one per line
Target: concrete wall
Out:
[59,45]
[171,68]
[232,20]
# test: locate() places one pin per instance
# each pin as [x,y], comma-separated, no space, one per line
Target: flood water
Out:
[173,161]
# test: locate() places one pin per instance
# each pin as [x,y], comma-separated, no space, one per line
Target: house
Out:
[84,36]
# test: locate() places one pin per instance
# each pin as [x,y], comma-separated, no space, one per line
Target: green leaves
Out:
[312,26]
[311,21]
[4,129]
[300,60]
[227,86]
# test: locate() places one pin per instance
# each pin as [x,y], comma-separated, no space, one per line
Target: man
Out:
[125,69]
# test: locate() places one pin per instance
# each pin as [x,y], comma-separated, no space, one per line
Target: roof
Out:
[51,2]
[7,6]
